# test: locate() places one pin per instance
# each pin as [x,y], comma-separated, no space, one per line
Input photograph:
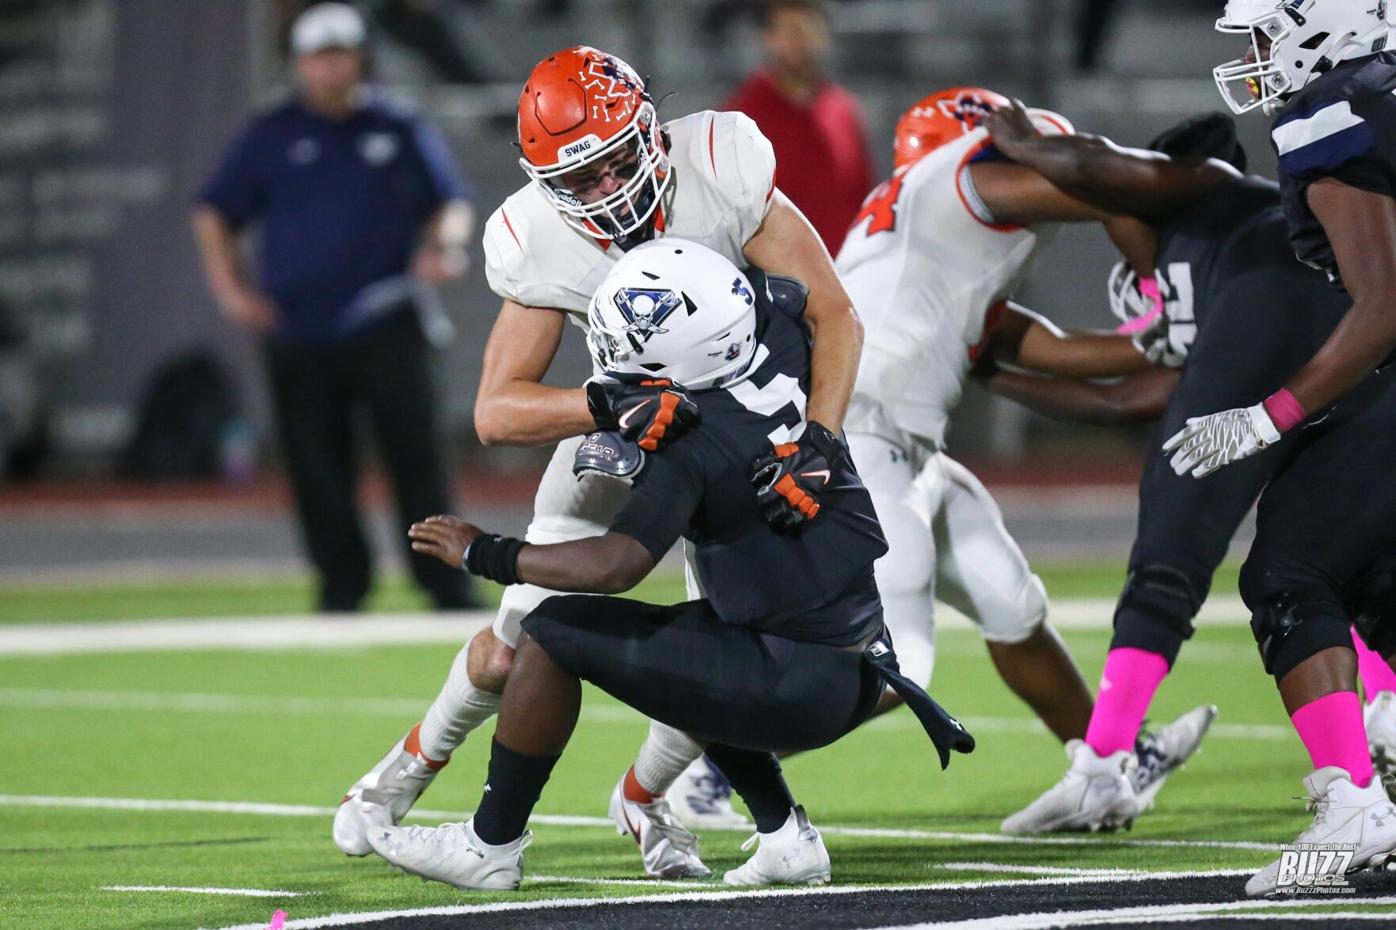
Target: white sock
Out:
[458,709]
[663,757]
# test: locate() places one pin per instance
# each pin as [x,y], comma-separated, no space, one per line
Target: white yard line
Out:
[635,882]
[340,920]
[239,892]
[1032,869]
[291,632]
[206,703]
[301,631]
[568,820]
[1162,913]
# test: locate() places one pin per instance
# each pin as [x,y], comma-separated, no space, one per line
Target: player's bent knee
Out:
[1016,618]
[488,661]
[1156,609]
[1291,627]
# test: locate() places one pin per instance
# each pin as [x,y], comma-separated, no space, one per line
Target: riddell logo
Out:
[581,146]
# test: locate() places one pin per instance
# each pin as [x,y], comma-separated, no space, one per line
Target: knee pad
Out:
[1155,610]
[1290,627]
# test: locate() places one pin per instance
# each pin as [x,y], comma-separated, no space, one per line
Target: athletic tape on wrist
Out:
[494,557]
[1285,411]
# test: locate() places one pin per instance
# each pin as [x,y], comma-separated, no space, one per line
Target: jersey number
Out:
[781,392]
[881,205]
[1175,284]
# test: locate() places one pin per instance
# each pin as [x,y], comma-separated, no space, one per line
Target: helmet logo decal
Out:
[969,109]
[739,289]
[644,311]
[615,89]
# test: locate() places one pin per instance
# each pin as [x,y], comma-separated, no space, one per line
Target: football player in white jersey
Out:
[930,262]
[605,175]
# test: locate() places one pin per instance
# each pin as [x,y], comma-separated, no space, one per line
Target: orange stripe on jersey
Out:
[772,192]
[510,226]
[992,320]
[712,157]
[959,191]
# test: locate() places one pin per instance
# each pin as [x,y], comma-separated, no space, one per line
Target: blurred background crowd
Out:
[124,356]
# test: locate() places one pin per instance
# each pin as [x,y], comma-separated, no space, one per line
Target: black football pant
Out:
[717,682]
[1327,515]
[384,374]
[1253,342]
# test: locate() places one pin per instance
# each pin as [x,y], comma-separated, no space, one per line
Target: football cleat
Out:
[1094,794]
[1162,753]
[701,799]
[793,855]
[453,854]
[668,850]
[1361,819]
[1380,720]
[383,796]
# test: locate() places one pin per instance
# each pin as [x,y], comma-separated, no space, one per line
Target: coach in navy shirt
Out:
[359,210]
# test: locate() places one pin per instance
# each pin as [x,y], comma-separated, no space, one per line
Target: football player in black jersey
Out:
[1226,277]
[1329,510]
[788,650]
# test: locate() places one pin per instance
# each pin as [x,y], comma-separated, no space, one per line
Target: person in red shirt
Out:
[816,126]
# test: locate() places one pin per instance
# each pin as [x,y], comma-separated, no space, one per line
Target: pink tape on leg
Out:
[1333,733]
[278,921]
[1127,686]
[1149,288]
[1375,673]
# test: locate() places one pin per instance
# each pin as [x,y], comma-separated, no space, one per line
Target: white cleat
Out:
[793,855]
[1162,753]
[1362,819]
[1094,794]
[669,851]
[1380,719]
[701,799]
[382,797]
[453,854]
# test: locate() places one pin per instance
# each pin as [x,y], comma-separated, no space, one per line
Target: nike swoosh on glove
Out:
[650,412]
[791,476]
[1207,443]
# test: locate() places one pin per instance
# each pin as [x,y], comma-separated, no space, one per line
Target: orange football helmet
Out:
[583,106]
[947,115]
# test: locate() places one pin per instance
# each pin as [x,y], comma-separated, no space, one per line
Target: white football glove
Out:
[1207,443]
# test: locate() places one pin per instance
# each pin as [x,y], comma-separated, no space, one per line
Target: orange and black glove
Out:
[650,412]
[791,476]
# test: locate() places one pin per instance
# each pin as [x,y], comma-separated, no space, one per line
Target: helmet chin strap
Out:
[650,229]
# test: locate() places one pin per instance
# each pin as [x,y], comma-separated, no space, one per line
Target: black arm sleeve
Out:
[662,502]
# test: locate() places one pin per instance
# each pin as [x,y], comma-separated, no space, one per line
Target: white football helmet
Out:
[674,309]
[1293,42]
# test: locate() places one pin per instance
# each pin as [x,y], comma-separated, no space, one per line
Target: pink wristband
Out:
[1149,288]
[1284,410]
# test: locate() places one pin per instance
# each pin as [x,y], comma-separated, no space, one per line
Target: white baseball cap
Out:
[327,25]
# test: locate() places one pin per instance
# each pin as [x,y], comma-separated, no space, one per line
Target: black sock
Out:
[511,789]
[756,777]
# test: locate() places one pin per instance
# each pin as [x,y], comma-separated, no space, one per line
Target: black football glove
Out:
[650,412]
[791,476]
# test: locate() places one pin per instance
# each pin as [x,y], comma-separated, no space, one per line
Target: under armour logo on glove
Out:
[789,478]
[650,412]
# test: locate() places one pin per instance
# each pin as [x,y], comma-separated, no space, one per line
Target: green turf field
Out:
[297,727]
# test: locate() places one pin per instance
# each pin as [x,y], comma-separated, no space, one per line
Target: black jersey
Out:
[1232,247]
[1341,126]
[816,585]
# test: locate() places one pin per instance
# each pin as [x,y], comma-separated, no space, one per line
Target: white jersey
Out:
[724,171]
[924,263]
